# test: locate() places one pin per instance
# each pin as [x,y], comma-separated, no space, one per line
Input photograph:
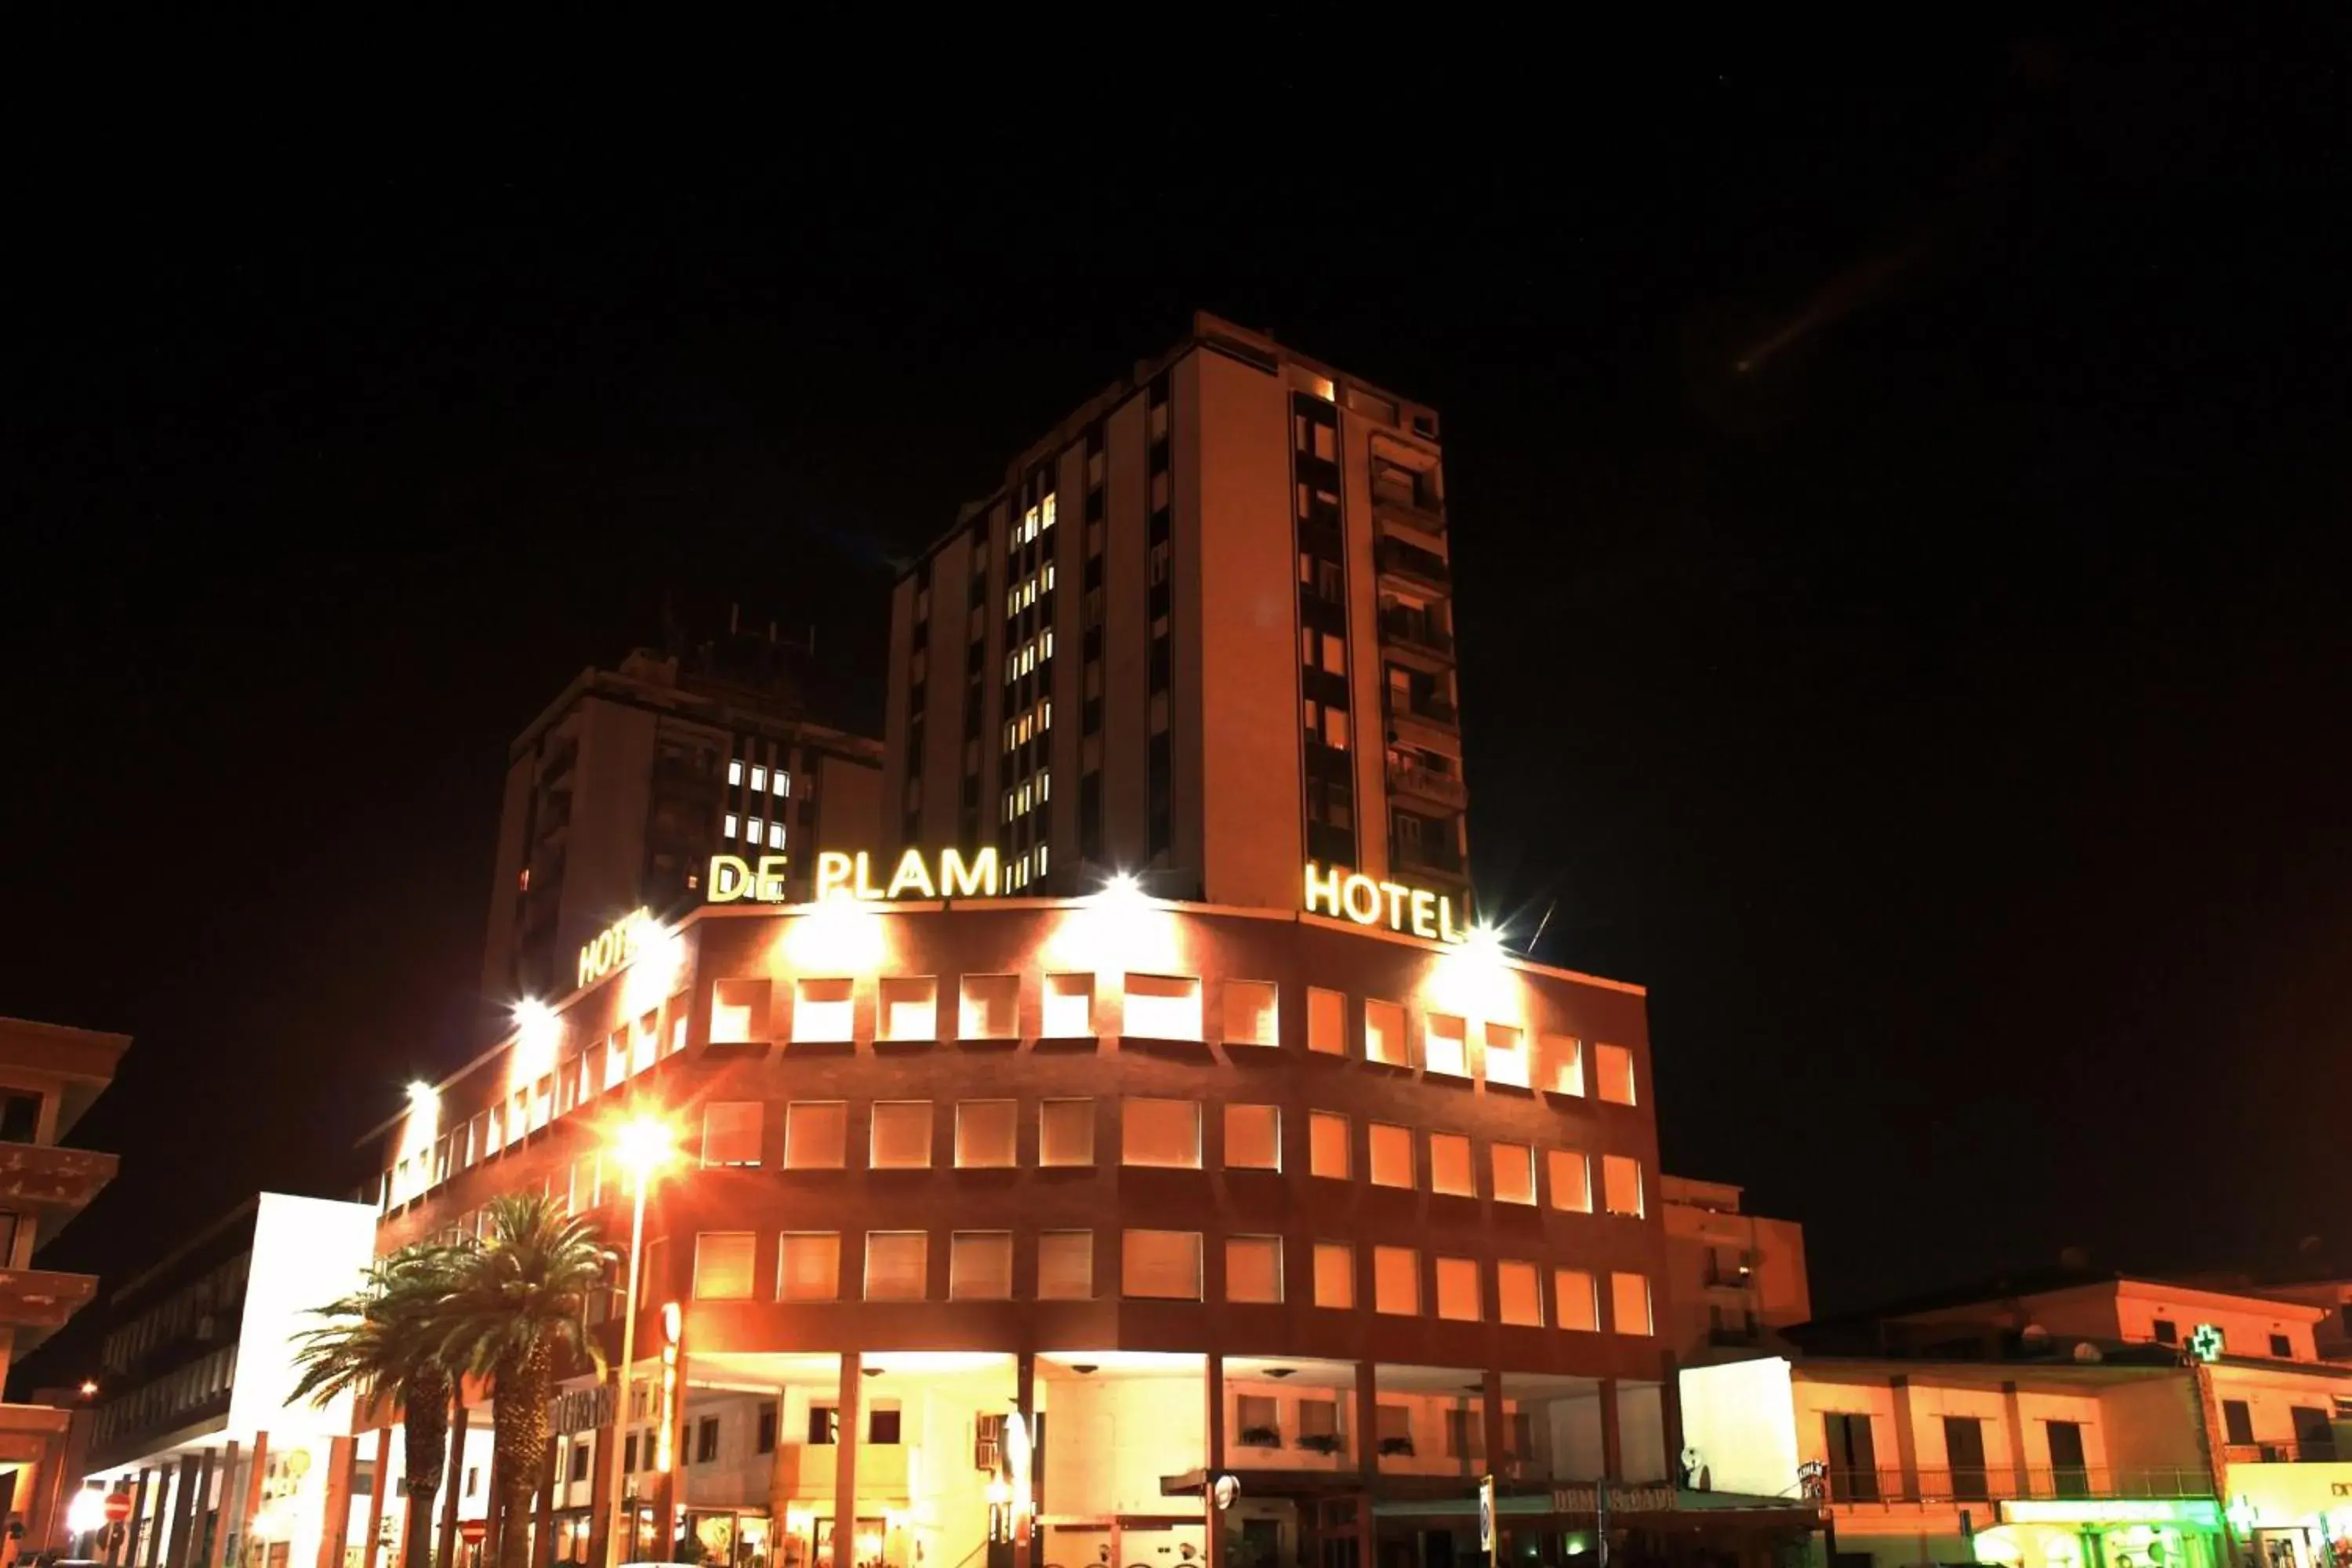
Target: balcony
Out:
[2293,1451]
[1729,1275]
[1734,1335]
[1886,1488]
[1427,707]
[1427,855]
[35,1176]
[1444,789]
[1410,561]
[42,1299]
[1415,510]
[1415,629]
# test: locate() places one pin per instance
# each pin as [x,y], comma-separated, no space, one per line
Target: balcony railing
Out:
[1404,626]
[1428,854]
[1406,779]
[1994,1482]
[1729,1275]
[1414,510]
[1429,710]
[2302,1451]
[1410,561]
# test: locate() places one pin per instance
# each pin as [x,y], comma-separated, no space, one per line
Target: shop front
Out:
[2105,1532]
[2291,1515]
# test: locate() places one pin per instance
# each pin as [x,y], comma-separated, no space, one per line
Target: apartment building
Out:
[1734,1278]
[49,1075]
[195,1421]
[1203,632]
[620,793]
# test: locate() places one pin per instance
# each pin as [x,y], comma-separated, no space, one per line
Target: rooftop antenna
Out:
[1539,926]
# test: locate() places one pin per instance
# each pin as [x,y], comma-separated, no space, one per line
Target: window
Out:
[735,772]
[1327,1145]
[1250,1012]
[991,1007]
[1395,1425]
[985,1132]
[1065,1132]
[1563,1064]
[1253,1138]
[2168,1332]
[884,1425]
[1507,1054]
[1570,1175]
[1161,1265]
[1065,1265]
[816,1135]
[823,1424]
[1620,1183]
[2282,1347]
[1513,1166]
[1069,1006]
[1253,1268]
[1327,1022]
[1334,1275]
[775,836]
[1612,1073]
[1396,1280]
[722,1266]
[731,1133]
[808,1267]
[1457,1289]
[1384,1039]
[980,1266]
[1392,1155]
[897,1265]
[1256,1421]
[2237,1422]
[902,1135]
[706,1440]
[1442,1044]
[751,827]
[729,824]
[1576,1300]
[1518,1293]
[1163,1007]
[1629,1303]
[1162,1132]
[758,776]
[910,1008]
[1450,1168]
[580,1458]
[824,1011]
[739,1015]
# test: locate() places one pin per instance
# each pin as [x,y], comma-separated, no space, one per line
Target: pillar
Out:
[452,1482]
[2012,1417]
[200,1517]
[126,1551]
[237,1521]
[1212,1459]
[601,1547]
[160,1522]
[543,1543]
[1612,1450]
[844,1463]
[1497,1435]
[257,1473]
[184,1511]
[376,1488]
[1670,1416]
[1025,1400]
[342,1458]
[1368,1455]
[1906,1441]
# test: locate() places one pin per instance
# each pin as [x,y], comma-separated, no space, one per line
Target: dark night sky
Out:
[1946,716]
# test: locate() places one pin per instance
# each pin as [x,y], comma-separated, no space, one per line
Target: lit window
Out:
[775,836]
[722,1266]
[1450,1170]
[1384,1038]
[809,1267]
[980,1266]
[727,824]
[759,778]
[816,1135]
[739,1014]
[1457,1289]
[985,1132]
[910,1007]
[1506,1056]
[1250,1012]
[1612,1072]
[1065,1265]
[779,783]
[1254,1268]
[1514,1168]
[901,1136]
[1518,1293]
[1392,1155]
[1065,1132]
[1253,1138]
[1334,1275]
[752,830]
[897,1264]
[1570,1177]
[1396,1281]
[1629,1303]
[1620,1183]
[1327,1022]
[1069,1006]
[991,1007]
[734,775]
[1161,1265]
[1442,1044]
[731,1133]
[1163,1007]
[824,1011]
[1160,1132]
[1562,1065]
[1327,1145]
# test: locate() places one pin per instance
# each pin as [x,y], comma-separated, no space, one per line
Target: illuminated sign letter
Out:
[1424,906]
[912,873]
[1364,912]
[1397,896]
[832,870]
[730,878]
[865,887]
[770,886]
[1446,930]
[616,945]
[958,880]
[1324,890]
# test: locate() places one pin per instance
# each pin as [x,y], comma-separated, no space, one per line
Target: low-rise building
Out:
[1733,1277]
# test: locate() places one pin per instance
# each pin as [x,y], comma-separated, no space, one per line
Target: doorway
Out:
[2070,1476]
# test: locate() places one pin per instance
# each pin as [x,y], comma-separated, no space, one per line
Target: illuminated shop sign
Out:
[1351,895]
[733,878]
[614,945]
[845,876]
[2199,1511]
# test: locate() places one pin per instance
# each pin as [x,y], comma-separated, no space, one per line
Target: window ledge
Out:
[1067,1043]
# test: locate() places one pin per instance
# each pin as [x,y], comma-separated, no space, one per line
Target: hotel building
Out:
[1203,632]
[618,794]
[48,1076]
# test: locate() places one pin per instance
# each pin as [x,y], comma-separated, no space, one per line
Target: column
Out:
[1612,1452]
[1906,1441]
[844,1463]
[452,1482]
[1670,1416]
[1368,1453]
[235,1526]
[543,1544]
[1025,1400]
[601,1547]
[257,1472]
[2012,1417]
[381,1484]
[1212,1457]
[126,1551]
[183,1512]
[342,1458]
[1490,1407]
[160,1523]
[200,1517]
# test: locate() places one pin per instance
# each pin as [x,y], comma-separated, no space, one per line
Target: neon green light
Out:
[2202,1512]
[2205,1342]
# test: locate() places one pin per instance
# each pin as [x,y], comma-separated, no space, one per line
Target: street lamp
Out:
[642,1146]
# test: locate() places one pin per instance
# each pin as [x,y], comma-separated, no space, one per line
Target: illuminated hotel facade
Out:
[1352,1216]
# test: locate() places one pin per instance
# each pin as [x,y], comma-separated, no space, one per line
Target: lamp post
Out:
[642,1146]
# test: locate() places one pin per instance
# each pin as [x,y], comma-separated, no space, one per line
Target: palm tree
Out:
[519,1305]
[387,1341]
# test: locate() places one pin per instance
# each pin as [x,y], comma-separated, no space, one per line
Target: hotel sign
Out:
[733,878]
[1351,895]
[614,945]
[1622,1498]
[840,874]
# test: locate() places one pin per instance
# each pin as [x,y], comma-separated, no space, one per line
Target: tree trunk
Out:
[425,1443]
[519,1416]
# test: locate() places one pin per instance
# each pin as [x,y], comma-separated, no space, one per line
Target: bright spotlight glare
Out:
[1123,888]
[642,1144]
[1484,937]
[421,1094]
[531,1013]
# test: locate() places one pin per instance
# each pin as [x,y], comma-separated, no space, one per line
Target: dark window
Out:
[629,1455]
[1160,661]
[767,1439]
[823,1421]
[2070,1477]
[1964,1451]
[1161,787]
[2282,1347]
[2168,1332]
[1090,822]
[579,1460]
[20,1117]
[882,1427]
[706,1439]
[2315,1435]
[2237,1421]
[2346,1312]
[1854,1460]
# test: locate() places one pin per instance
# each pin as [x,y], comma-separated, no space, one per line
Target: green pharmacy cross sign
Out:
[2205,1342]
